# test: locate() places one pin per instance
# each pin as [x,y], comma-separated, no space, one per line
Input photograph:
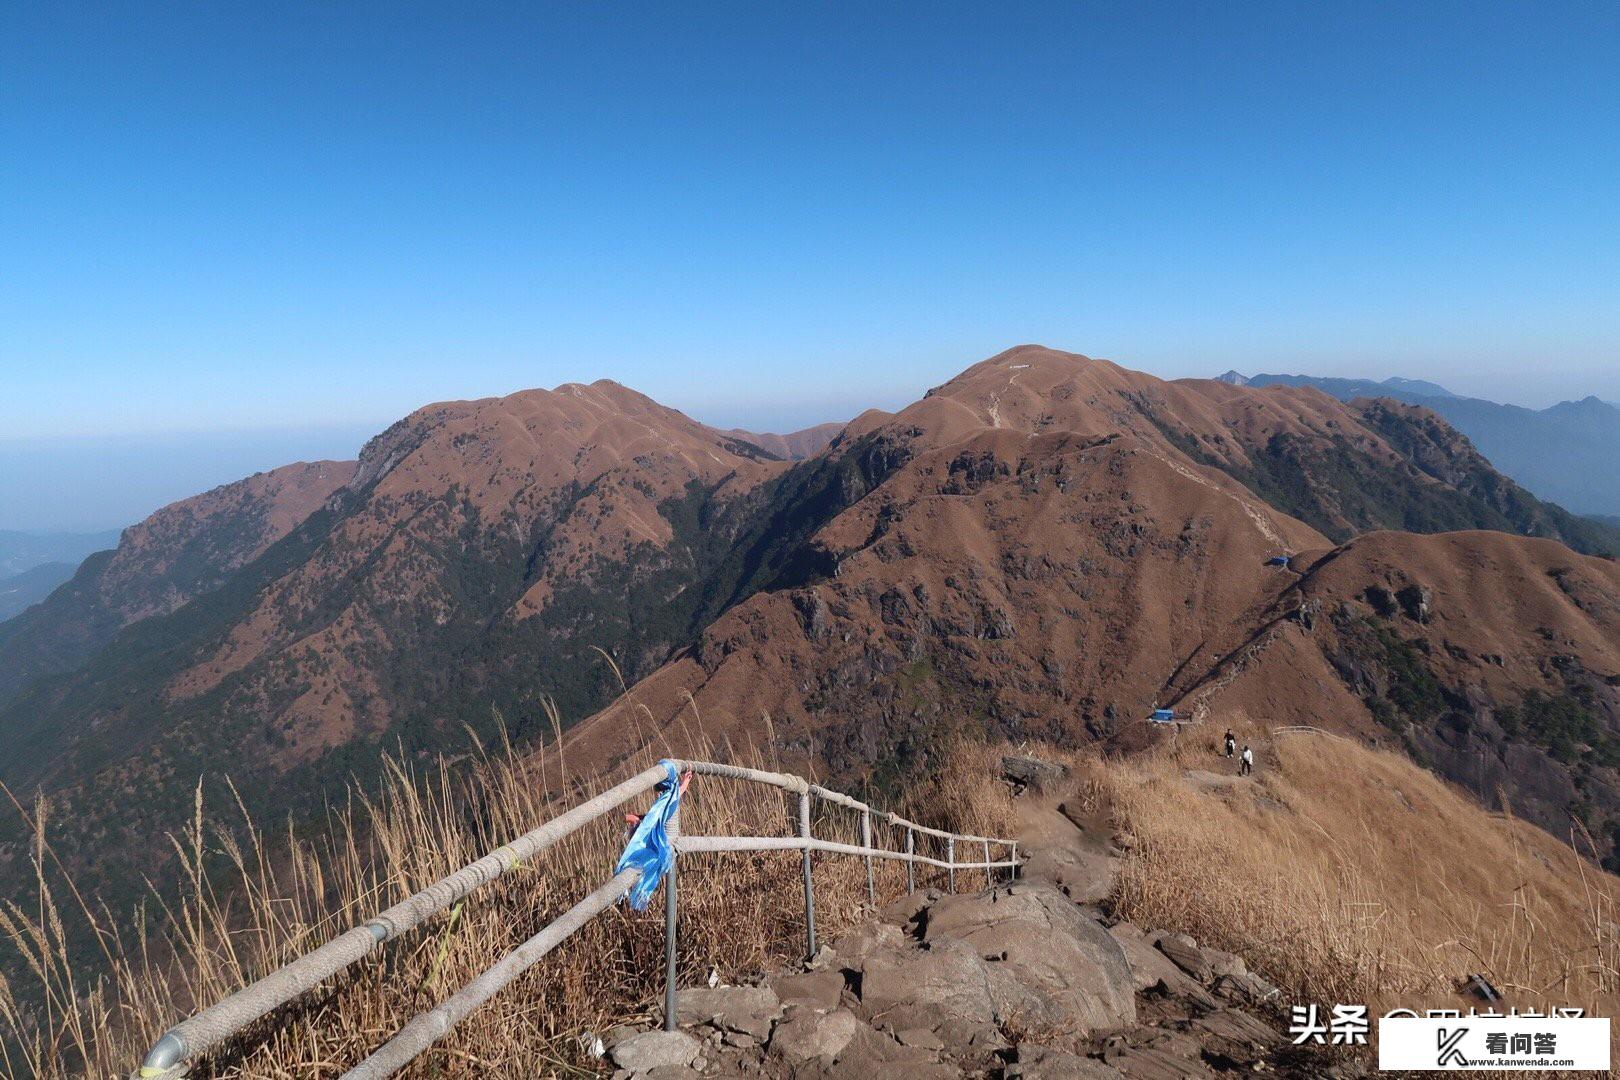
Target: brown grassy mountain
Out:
[1045,545]
[1493,659]
[180,552]
[1061,544]
[477,555]
[795,445]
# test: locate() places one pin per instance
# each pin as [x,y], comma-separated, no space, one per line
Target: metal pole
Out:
[866,842]
[671,917]
[911,867]
[950,857]
[809,883]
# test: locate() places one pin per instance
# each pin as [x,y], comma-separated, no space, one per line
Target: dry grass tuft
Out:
[1351,875]
[280,896]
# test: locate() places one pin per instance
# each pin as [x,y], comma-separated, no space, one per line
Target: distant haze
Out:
[90,483]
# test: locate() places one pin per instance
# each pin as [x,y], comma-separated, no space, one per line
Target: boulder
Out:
[648,1050]
[806,1035]
[866,940]
[816,990]
[1245,989]
[922,1038]
[1147,1063]
[1185,988]
[947,981]
[1236,1027]
[1224,963]
[1045,960]
[1032,772]
[748,1009]
[1148,965]
[1044,1063]
[1184,952]
[1084,876]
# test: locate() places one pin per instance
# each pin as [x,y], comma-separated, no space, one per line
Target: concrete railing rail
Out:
[185,1042]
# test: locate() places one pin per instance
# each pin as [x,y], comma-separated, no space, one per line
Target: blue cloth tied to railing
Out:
[649,849]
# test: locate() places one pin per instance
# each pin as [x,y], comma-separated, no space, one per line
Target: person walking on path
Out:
[1246,762]
[1231,743]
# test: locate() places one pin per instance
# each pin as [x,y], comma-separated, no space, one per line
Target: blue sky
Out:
[312,220]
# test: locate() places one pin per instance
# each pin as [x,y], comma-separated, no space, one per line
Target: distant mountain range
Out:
[21,551]
[33,564]
[1565,453]
[1043,547]
[21,591]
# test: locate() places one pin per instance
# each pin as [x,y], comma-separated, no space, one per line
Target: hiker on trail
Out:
[1246,762]
[1231,743]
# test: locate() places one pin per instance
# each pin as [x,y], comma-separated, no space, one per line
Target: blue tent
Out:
[1163,716]
[1278,560]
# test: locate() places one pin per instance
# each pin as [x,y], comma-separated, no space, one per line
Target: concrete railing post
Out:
[950,857]
[809,882]
[988,883]
[911,866]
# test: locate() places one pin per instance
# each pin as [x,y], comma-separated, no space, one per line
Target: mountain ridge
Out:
[483,560]
[1563,453]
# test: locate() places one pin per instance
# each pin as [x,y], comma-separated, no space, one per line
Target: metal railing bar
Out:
[220,1021]
[798,784]
[429,1027]
[226,1018]
[719,844]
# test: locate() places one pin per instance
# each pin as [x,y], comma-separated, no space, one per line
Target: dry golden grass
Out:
[1351,875]
[283,896]
[1343,873]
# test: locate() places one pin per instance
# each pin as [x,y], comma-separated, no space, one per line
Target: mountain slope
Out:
[794,446]
[180,552]
[1493,659]
[1564,453]
[1056,545]
[477,555]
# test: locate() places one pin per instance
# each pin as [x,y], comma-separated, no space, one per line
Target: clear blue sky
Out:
[216,220]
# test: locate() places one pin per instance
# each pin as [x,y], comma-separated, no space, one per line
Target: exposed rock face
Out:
[952,986]
[1045,960]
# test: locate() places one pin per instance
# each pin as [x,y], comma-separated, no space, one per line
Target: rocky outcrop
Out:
[1016,981]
